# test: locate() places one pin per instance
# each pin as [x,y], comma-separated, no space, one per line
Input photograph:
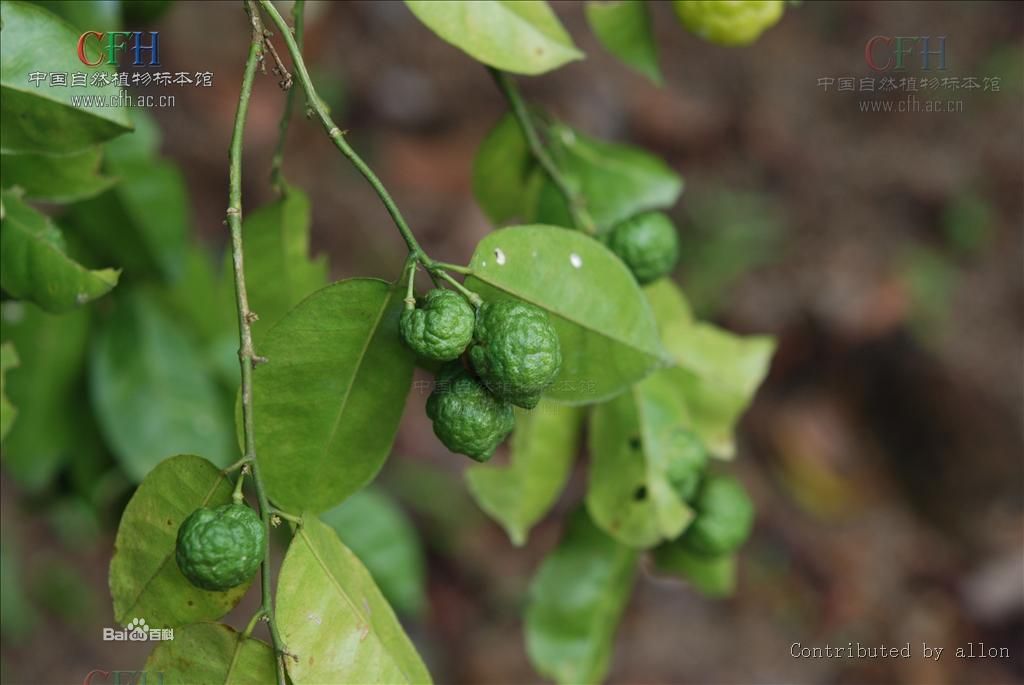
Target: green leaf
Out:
[335,621]
[212,654]
[52,351]
[501,170]
[142,223]
[152,391]
[543,449]
[8,412]
[575,604]
[42,119]
[144,578]
[87,15]
[56,178]
[714,576]
[638,441]
[616,181]
[624,28]
[330,398]
[718,372]
[278,270]
[521,36]
[35,264]
[608,335]
[377,531]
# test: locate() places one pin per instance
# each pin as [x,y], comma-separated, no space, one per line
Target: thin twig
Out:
[276,164]
[246,356]
[316,105]
[577,205]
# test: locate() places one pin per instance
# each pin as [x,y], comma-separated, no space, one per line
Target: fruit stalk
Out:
[246,354]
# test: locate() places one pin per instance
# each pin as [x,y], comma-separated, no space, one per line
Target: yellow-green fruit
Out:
[728,22]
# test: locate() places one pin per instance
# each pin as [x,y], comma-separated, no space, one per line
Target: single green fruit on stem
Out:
[467,418]
[648,244]
[728,22]
[220,548]
[515,351]
[725,516]
[440,327]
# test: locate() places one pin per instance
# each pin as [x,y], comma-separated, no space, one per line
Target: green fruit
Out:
[728,22]
[220,548]
[515,351]
[440,328]
[467,418]
[687,465]
[724,517]
[648,244]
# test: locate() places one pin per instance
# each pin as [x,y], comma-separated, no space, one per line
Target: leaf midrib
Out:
[355,373]
[344,595]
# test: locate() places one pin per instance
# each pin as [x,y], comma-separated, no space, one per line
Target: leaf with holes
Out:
[624,29]
[607,332]
[377,531]
[575,603]
[640,442]
[330,398]
[214,654]
[334,619]
[543,449]
[144,578]
[521,36]
[36,266]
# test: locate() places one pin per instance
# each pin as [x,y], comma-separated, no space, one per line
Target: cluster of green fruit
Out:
[513,357]
[723,521]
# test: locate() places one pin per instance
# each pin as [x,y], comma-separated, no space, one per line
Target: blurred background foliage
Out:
[884,250]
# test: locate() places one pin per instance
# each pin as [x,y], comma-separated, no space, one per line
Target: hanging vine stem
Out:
[416,252]
[577,205]
[276,174]
[247,357]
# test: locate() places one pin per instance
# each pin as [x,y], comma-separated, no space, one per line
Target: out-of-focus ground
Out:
[884,451]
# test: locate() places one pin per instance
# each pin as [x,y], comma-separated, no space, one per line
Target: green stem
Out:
[276,174]
[410,273]
[453,267]
[237,496]
[473,298]
[251,625]
[246,355]
[297,520]
[338,136]
[577,205]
